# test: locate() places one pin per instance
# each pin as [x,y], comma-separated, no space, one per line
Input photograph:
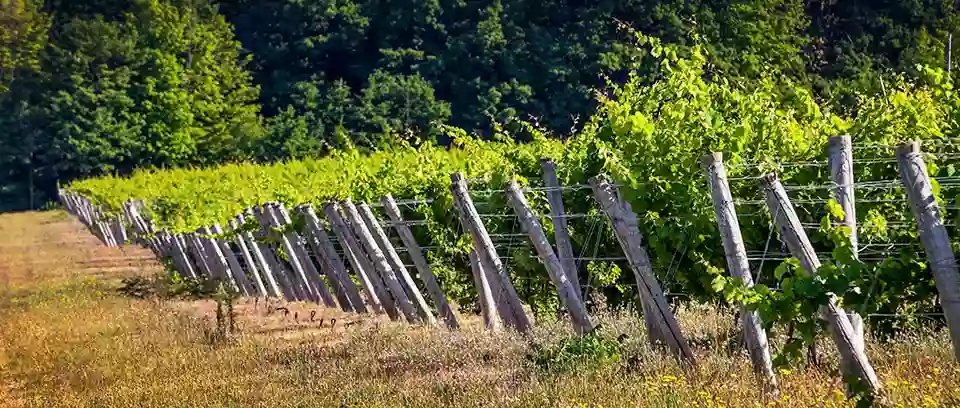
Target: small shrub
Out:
[580,352]
[168,286]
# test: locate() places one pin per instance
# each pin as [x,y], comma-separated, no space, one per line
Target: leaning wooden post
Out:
[291,286]
[489,260]
[264,264]
[488,308]
[236,270]
[840,159]
[853,359]
[933,235]
[738,265]
[627,229]
[309,240]
[412,291]
[423,267]
[380,299]
[199,255]
[248,258]
[299,246]
[305,270]
[379,261]
[179,253]
[119,231]
[326,249]
[489,287]
[569,296]
[217,258]
[560,233]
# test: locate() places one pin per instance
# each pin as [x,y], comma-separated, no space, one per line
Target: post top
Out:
[769,179]
[598,180]
[908,148]
[711,159]
[838,140]
[457,178]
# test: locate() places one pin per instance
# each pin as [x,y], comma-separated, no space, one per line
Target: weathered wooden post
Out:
[738,265]
[488,308]
[199,255]
[380,299]
[323,265]
[215,257]
[852,357]
[423,267]
[300,246]
[325,248]
[569,296]
[489,260]
[560,233]
[393,259]
[840,160]
[933,235]
[626,227]
[379,261]
[119,231]
[248,258]
[282,271]
[179,254]
[268,269]
[305,270]
[233,263]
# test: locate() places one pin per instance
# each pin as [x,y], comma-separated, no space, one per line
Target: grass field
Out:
[69,339]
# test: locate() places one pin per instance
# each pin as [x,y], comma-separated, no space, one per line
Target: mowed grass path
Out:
[67,339]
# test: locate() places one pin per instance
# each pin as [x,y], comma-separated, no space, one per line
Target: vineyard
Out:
[627,214]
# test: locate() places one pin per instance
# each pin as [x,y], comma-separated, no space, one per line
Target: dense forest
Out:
[93,87]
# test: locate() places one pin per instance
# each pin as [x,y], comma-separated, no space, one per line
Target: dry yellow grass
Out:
[68,340]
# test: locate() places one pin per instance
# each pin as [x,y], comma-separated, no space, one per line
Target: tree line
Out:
[92,87]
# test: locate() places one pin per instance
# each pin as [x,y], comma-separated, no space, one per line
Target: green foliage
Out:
[168,286]
[572,353]
[159,85]
[650,134]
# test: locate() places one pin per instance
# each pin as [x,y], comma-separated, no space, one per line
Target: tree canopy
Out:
[91,87]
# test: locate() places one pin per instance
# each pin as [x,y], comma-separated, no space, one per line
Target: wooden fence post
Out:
[379,261]
[569,296]
[488,308]
[305,270]
[560,233]
[627,230]
[219,258]
[933,235]
[119,230]
[265,265]
[179,254]
[852,357]
[287,280]
[314,274]
[380,299]
[393,259]
[255,272]
[196,248]
[239,276]
[506,294]
[738,265]
[423,267]
[324,267]
[325,248]
[840,160]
